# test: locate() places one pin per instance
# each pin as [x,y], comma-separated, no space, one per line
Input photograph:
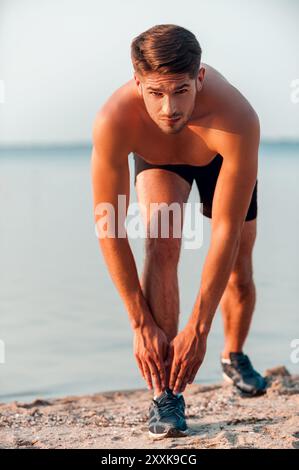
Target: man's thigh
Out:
[159,189]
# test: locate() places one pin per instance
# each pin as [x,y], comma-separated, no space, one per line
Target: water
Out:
[64,326]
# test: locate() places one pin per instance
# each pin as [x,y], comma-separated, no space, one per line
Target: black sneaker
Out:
[167,416]
[238,370]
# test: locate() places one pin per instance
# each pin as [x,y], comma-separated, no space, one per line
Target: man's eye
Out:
[156,93]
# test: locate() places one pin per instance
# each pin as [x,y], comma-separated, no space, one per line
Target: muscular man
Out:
[183,121]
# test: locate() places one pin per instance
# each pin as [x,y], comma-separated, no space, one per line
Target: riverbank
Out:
[217,418]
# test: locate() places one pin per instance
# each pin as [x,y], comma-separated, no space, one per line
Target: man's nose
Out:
[168,107]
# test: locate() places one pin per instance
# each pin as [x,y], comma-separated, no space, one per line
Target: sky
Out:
[60,60]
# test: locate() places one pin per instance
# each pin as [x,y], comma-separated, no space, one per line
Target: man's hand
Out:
[186,353]
[150,350]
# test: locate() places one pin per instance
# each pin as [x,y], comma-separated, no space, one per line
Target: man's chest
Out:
[194,146]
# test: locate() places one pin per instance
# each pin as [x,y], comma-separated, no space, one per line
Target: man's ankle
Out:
[158,395]
[226,354]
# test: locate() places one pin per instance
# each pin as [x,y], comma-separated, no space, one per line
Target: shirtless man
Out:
[182,120]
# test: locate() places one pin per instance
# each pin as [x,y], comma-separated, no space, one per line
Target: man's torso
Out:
[217,119]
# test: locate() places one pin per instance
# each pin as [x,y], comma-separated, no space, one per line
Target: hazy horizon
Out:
[84,144]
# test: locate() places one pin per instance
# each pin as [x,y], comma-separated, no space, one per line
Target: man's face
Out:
[169,99]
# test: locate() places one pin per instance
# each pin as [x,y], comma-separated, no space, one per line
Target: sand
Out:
[217,417]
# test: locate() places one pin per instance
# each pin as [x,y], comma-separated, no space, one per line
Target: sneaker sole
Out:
[244,394]
[227,378]
[172,432]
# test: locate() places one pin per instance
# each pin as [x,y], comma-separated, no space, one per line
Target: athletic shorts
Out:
[205,177]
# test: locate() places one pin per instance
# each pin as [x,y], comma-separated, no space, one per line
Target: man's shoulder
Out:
[237,119]
[232,117]
[233,112]
[117,115]
[114,124]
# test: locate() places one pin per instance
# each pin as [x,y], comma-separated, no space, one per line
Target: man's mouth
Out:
[172,120]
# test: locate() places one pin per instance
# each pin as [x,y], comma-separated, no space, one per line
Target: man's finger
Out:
[148,375]
[173,374]
[139,363]
[184,384]
[155,374]
[183,373]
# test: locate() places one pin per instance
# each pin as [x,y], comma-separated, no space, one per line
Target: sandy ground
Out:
[217,417]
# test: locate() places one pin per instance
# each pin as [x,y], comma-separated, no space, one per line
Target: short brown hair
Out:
[166,48]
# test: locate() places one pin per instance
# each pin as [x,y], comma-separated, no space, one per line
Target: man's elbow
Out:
[254,127]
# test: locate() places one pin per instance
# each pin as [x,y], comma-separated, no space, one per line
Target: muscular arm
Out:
[110,177]
[231,201]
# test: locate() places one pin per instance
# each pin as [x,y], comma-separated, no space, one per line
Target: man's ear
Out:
[200,78]
[138,84]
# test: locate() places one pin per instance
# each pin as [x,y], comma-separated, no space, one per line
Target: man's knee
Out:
[241,279]
[242,284]
[163,250]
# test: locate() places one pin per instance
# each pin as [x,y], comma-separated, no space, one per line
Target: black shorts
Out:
[205,177]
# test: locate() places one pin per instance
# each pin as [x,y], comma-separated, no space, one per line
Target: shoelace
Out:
[169,405]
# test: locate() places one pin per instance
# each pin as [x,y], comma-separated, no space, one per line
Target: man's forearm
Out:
[121,265]
[216,271]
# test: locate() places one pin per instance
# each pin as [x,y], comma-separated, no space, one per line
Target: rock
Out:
[35,403]
[281,371]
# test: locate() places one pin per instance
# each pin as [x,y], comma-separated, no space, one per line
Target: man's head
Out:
[166,60]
